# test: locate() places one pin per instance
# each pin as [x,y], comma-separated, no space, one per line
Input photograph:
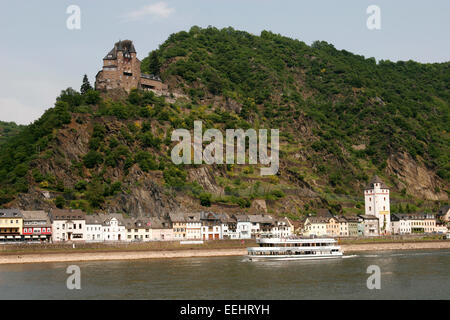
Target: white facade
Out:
[94,232]
[376,198]
[194,230]
[162,234]
[211,232]
[68,230]
[403,226]
[315,228]
[281,229]
[244,230]
[227,232]
[441,229]
[113,230]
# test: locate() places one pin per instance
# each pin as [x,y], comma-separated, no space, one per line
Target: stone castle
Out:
[122,69]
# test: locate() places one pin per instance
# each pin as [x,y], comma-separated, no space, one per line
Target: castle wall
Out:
[125,72]
[152,84]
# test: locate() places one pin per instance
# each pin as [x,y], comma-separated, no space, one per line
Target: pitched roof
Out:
[261,218]
[117,216]
[177,217]
[192,217]
[59,214]
[159,223]
[319,219]
[367,217]
[341,219]
[94,219]
[241,218]
[225,218]
[209,216]
[444,210]
[140,223]
[297,224]
[324,213]
[35,215]
[10,213]
[413,216]
[376,179]
[125,46]
[352,218]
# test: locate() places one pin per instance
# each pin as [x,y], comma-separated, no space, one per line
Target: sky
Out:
[40,55]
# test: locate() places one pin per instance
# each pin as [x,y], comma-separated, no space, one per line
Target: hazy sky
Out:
[40,56]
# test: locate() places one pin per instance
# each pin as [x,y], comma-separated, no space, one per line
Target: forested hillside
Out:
[342,118]
[7,130]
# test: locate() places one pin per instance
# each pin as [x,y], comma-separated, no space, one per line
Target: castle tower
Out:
[376,198]
[122,69]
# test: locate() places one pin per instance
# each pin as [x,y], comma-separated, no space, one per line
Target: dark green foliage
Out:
[92,158]
[8,130]
[60,202]
[146,161]
[86,86]
[205,199]
[81,185]
[154,65]
[175,176]
[95,194]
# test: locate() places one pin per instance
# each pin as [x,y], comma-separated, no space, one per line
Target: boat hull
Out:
[292,258]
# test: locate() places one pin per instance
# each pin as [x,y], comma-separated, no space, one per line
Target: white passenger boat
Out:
[294,249]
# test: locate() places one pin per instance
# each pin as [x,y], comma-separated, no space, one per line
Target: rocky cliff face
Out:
[415,178]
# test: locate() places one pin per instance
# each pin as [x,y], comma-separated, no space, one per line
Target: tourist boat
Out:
[294,249]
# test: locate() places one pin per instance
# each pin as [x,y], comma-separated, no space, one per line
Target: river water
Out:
[404,275]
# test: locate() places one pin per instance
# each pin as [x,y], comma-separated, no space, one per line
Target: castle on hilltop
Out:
[122,69]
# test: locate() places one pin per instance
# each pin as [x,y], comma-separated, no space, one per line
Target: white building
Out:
[261,224]
[228,227]
[401,224]
[282,229]
[211,228]
[94,231]
[68,225]
[161,230]
[113,228]
[315,226]
[243,227]
[193,226]
[376,197]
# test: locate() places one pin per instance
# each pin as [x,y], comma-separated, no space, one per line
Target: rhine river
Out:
[404,275]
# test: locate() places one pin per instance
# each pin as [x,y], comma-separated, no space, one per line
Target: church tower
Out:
[376,197]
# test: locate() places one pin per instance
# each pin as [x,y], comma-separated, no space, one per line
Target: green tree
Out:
[95,194]
[60,202]
[205,199]
[154,64]
[86,86]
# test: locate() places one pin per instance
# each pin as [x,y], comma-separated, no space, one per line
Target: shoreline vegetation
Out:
[47,253]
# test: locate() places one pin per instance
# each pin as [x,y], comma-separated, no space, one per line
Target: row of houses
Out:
[369,226]
[75,225]
[340,226]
